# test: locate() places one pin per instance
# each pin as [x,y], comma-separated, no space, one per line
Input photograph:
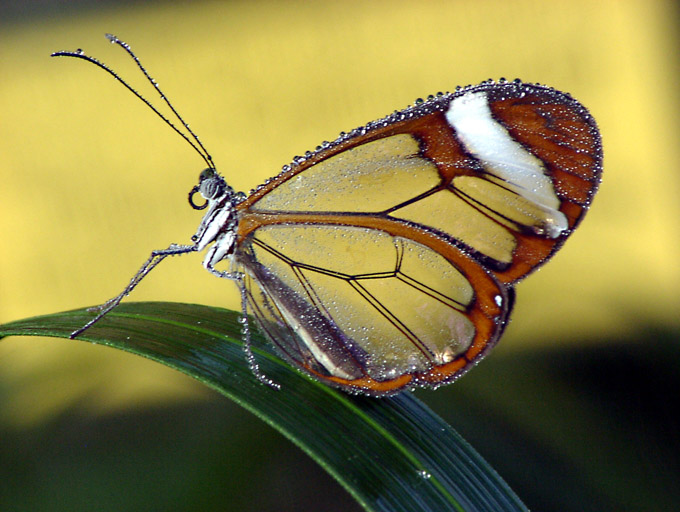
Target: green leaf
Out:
[391,454]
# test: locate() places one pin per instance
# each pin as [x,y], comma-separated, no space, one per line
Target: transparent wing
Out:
[365,309]
[506,171]
[386,258]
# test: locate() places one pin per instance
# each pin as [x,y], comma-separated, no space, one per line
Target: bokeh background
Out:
[575,408]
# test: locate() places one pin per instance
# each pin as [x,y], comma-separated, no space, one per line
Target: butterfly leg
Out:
[237,277]
[155,258]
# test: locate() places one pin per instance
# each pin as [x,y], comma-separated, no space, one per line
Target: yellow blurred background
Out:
[92,181]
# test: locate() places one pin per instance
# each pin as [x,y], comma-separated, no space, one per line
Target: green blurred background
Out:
[575,408]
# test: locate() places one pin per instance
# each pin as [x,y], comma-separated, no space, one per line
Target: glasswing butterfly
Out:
[386,259]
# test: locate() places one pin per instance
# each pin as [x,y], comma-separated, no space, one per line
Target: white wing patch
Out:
[504,157]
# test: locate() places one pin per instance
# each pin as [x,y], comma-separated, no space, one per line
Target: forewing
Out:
[505,172]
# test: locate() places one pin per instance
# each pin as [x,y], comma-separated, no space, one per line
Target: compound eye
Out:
[211,188]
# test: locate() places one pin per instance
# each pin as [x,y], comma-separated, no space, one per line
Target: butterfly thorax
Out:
[220,221]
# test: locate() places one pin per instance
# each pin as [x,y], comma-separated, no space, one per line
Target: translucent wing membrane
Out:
[373,177]
[386,258]
[507,170]
[363,308]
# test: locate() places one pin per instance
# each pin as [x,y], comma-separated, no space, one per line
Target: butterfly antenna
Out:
[195,143]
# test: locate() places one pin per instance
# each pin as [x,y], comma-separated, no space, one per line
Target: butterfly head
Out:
[211,186]
[220,200]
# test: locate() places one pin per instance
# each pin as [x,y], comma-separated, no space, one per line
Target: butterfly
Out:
[386,259]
